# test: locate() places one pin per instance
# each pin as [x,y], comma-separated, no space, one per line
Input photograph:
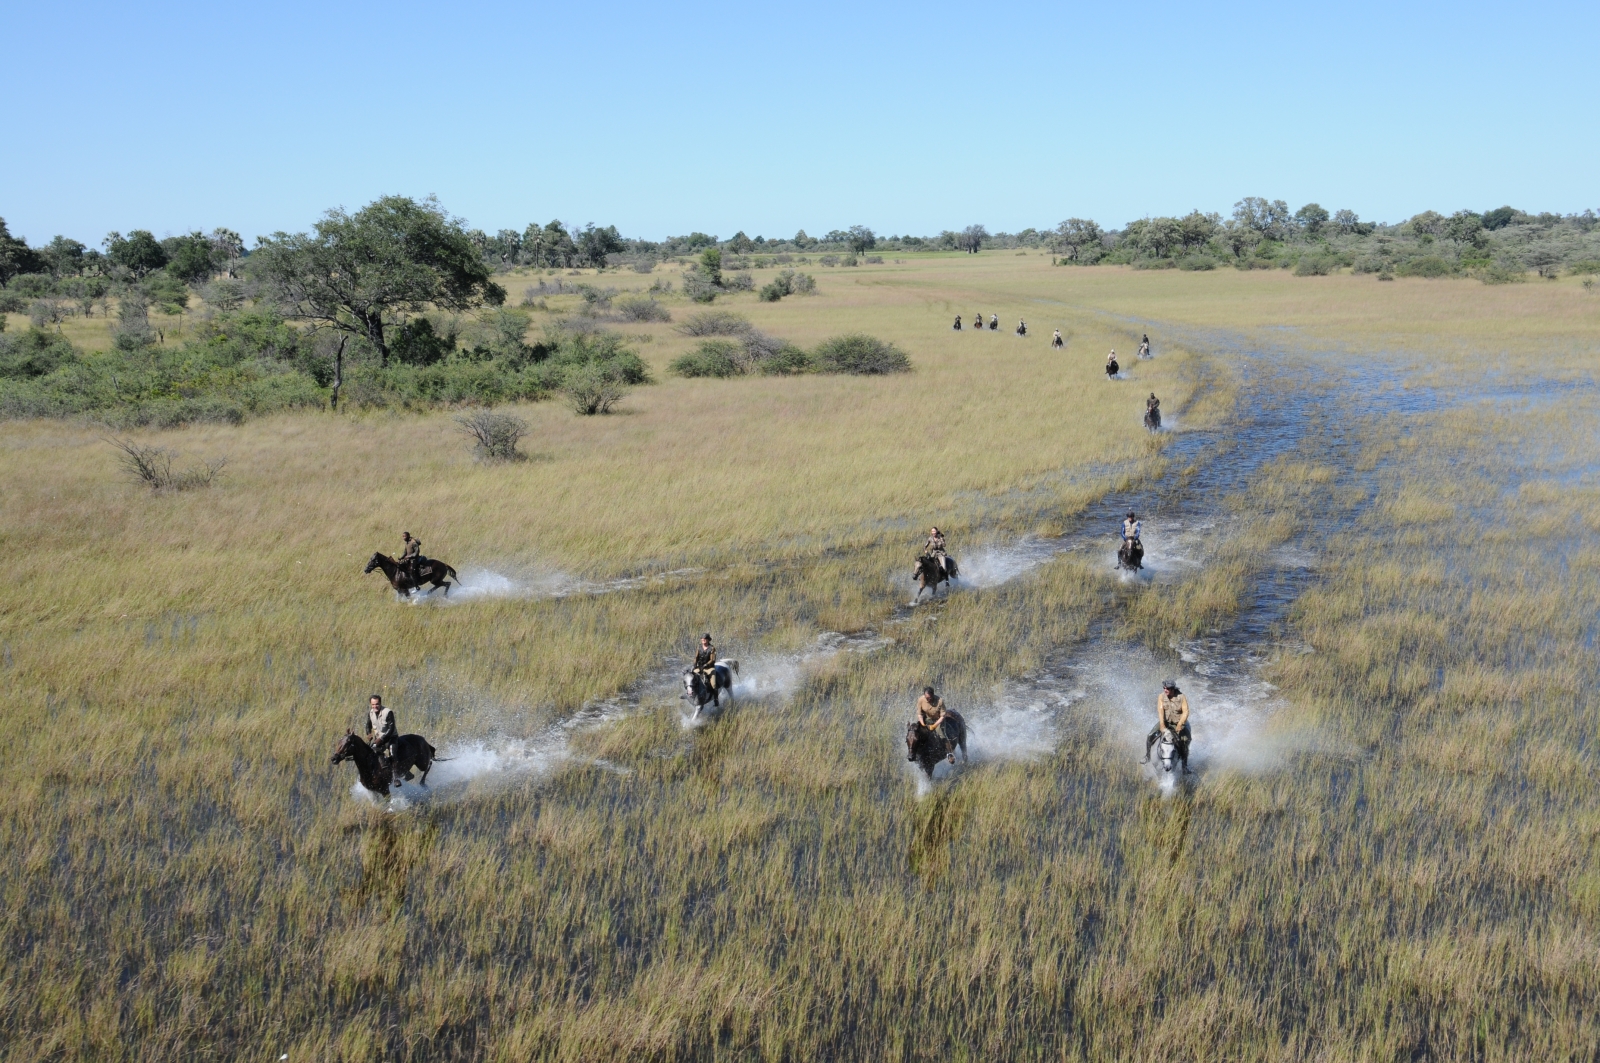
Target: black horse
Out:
[927,748]
[994,323]
[429,572]
[1130,555]
[1022,328]
[1152,419]
[929,573]
[1112,368]
[697,690]
[957,325]
[379,775]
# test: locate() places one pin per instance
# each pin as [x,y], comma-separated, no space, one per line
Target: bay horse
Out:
[927,748]
[376,774]
[430,572]
[1152,419]
[1130,555]
[697,690]
[929,574]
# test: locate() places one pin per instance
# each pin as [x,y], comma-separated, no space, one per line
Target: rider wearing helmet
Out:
[381,731]
[931,715]
[705,662]
[1172,714]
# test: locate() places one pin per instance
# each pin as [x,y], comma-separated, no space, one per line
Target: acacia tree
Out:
[361,273]
[971,238]
[1080,238]
[862,239]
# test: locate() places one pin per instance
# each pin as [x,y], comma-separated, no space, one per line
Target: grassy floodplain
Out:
[1414,873]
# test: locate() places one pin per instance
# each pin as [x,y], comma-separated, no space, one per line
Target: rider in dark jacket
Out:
[705,661]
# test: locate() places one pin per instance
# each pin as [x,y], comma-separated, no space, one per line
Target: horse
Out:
[1057,342]
[1130,555]
[1112,368]
[927,748]
[378,775]
[1152,419]
[1173,750]
[1144,350]
[1022,328]
[929,573]
[696,689]
[994,323]
[431,572]
[957,325]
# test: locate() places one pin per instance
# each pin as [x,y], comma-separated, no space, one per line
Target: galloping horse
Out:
[1112,368]
[1130,555]
[927,748]
[378,775]
[430,572]
[697,690]
[929,574]
[1152,419]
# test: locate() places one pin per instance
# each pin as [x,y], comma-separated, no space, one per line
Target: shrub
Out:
[45,312]
[849,260]
[716,358]
[494,435]
[788,360]
[416,343]
[860,354]
[804,284]
[1316,266]
[772,291]
[1197,262]
[152,466]
[1426,266]
[739,282]
[1578,269]
[643,265]
[641,308]
[12,302]
[32,285]
[592,389]
[1500,274]
[877,260]
[715,323]
[698,288]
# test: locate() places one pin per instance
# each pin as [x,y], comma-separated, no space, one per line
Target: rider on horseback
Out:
[381,731]
[1172,714]
[1152,404]
[931,716]
[1057,341]
[705,662]
[410,556]
[958,323]
[1131,529]
[934,547]
[994,322]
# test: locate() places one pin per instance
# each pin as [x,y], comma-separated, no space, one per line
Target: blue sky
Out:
[663,118]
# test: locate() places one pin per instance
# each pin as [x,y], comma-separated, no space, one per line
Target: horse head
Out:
[694,687]
[345,749]
[376,560]
[1168,748]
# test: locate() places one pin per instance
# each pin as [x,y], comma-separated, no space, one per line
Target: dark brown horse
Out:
[1130,555]
[929,574]
[927,748]
[379,775]
[430,573]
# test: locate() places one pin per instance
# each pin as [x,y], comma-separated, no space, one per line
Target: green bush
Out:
[1426,266]
[716,323]
[715,358]
[32,285]
[641,308]
[859,354]
[1197,262]
[1578,269]
[1316,266]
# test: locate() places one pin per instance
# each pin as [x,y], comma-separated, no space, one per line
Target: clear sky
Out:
[667,117]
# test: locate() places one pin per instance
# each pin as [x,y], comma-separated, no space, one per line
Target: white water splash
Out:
[765,676]
[474,584]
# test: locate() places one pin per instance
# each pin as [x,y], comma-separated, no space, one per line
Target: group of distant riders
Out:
[994,325]
[933,718]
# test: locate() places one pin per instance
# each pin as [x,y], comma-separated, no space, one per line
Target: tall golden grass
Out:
[190,878]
